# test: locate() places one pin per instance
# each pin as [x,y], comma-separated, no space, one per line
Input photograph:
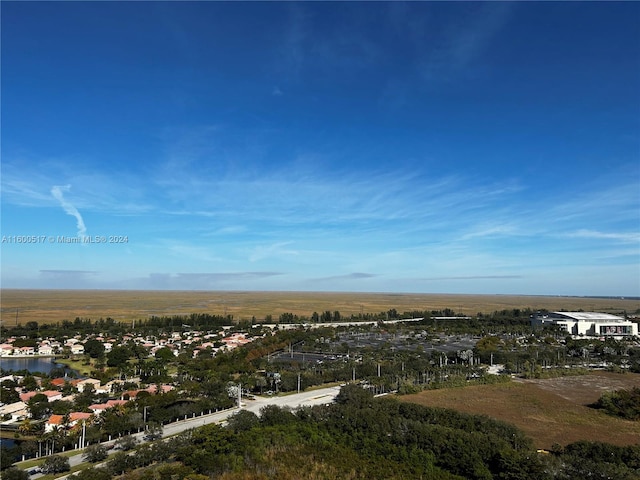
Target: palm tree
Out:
[26,427]
[50,439]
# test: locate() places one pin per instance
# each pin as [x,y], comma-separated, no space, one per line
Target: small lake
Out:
[7,442]
[38,364]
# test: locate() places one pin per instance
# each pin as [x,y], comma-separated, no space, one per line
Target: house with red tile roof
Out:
[6,350]
[25,397]
[58,420]
[98,408]
[58,382]
[52,395]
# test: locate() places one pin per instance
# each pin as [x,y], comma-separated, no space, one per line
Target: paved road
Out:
[309,398]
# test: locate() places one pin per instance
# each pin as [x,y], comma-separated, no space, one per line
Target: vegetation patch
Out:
[50,306]
[549,411]
[621,403]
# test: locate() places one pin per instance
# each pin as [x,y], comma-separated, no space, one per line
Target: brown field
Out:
[548,411]
[47,306]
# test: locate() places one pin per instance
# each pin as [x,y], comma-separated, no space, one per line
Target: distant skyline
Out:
[428,147]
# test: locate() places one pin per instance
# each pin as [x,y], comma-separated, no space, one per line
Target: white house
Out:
[17,411]
[98,408]
[45,349]
[58,421]
[6,350]
[81,385]
[52,395]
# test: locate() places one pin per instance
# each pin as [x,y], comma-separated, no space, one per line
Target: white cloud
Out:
[625,237]
[56,191]
[273,250]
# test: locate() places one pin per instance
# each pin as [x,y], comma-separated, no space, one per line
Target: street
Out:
[309,398]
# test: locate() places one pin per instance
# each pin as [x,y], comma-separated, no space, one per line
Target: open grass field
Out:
[50,306]
[549,411]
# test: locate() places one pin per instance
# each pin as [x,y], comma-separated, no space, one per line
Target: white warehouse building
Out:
[588,324]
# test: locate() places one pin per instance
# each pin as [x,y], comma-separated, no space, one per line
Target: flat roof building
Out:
[588,324]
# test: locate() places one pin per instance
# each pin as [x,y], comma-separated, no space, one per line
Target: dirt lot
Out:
[52,306]
[549,411]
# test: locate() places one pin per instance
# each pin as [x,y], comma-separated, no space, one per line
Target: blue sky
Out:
[377,147]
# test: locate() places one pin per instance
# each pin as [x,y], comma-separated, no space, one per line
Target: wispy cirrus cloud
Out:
[460,41]
[484,231]
[625,237]
[262,252]
[69,208]
[28,183]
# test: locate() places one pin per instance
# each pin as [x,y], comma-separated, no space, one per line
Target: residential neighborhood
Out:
[125,387]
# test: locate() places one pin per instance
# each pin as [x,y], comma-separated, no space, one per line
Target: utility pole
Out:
[298,382]
[240,395]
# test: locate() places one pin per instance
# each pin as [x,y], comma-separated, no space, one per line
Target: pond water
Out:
[7,442]
[37,364]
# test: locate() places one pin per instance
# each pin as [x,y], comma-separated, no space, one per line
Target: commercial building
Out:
[588,324]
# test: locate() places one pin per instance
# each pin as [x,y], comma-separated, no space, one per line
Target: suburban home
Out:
[17,411]
[235,340]
[58,382]
[81,385]
[77,349]
[27,350]
[52,395]
[56,421]
[112,386]
[25,397]
[98,408]
[6,350]
[45,349]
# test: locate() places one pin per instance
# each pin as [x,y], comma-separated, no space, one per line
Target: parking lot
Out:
[355,342]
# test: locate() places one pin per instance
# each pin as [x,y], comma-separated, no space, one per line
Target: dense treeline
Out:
[362,437]
[514,320]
